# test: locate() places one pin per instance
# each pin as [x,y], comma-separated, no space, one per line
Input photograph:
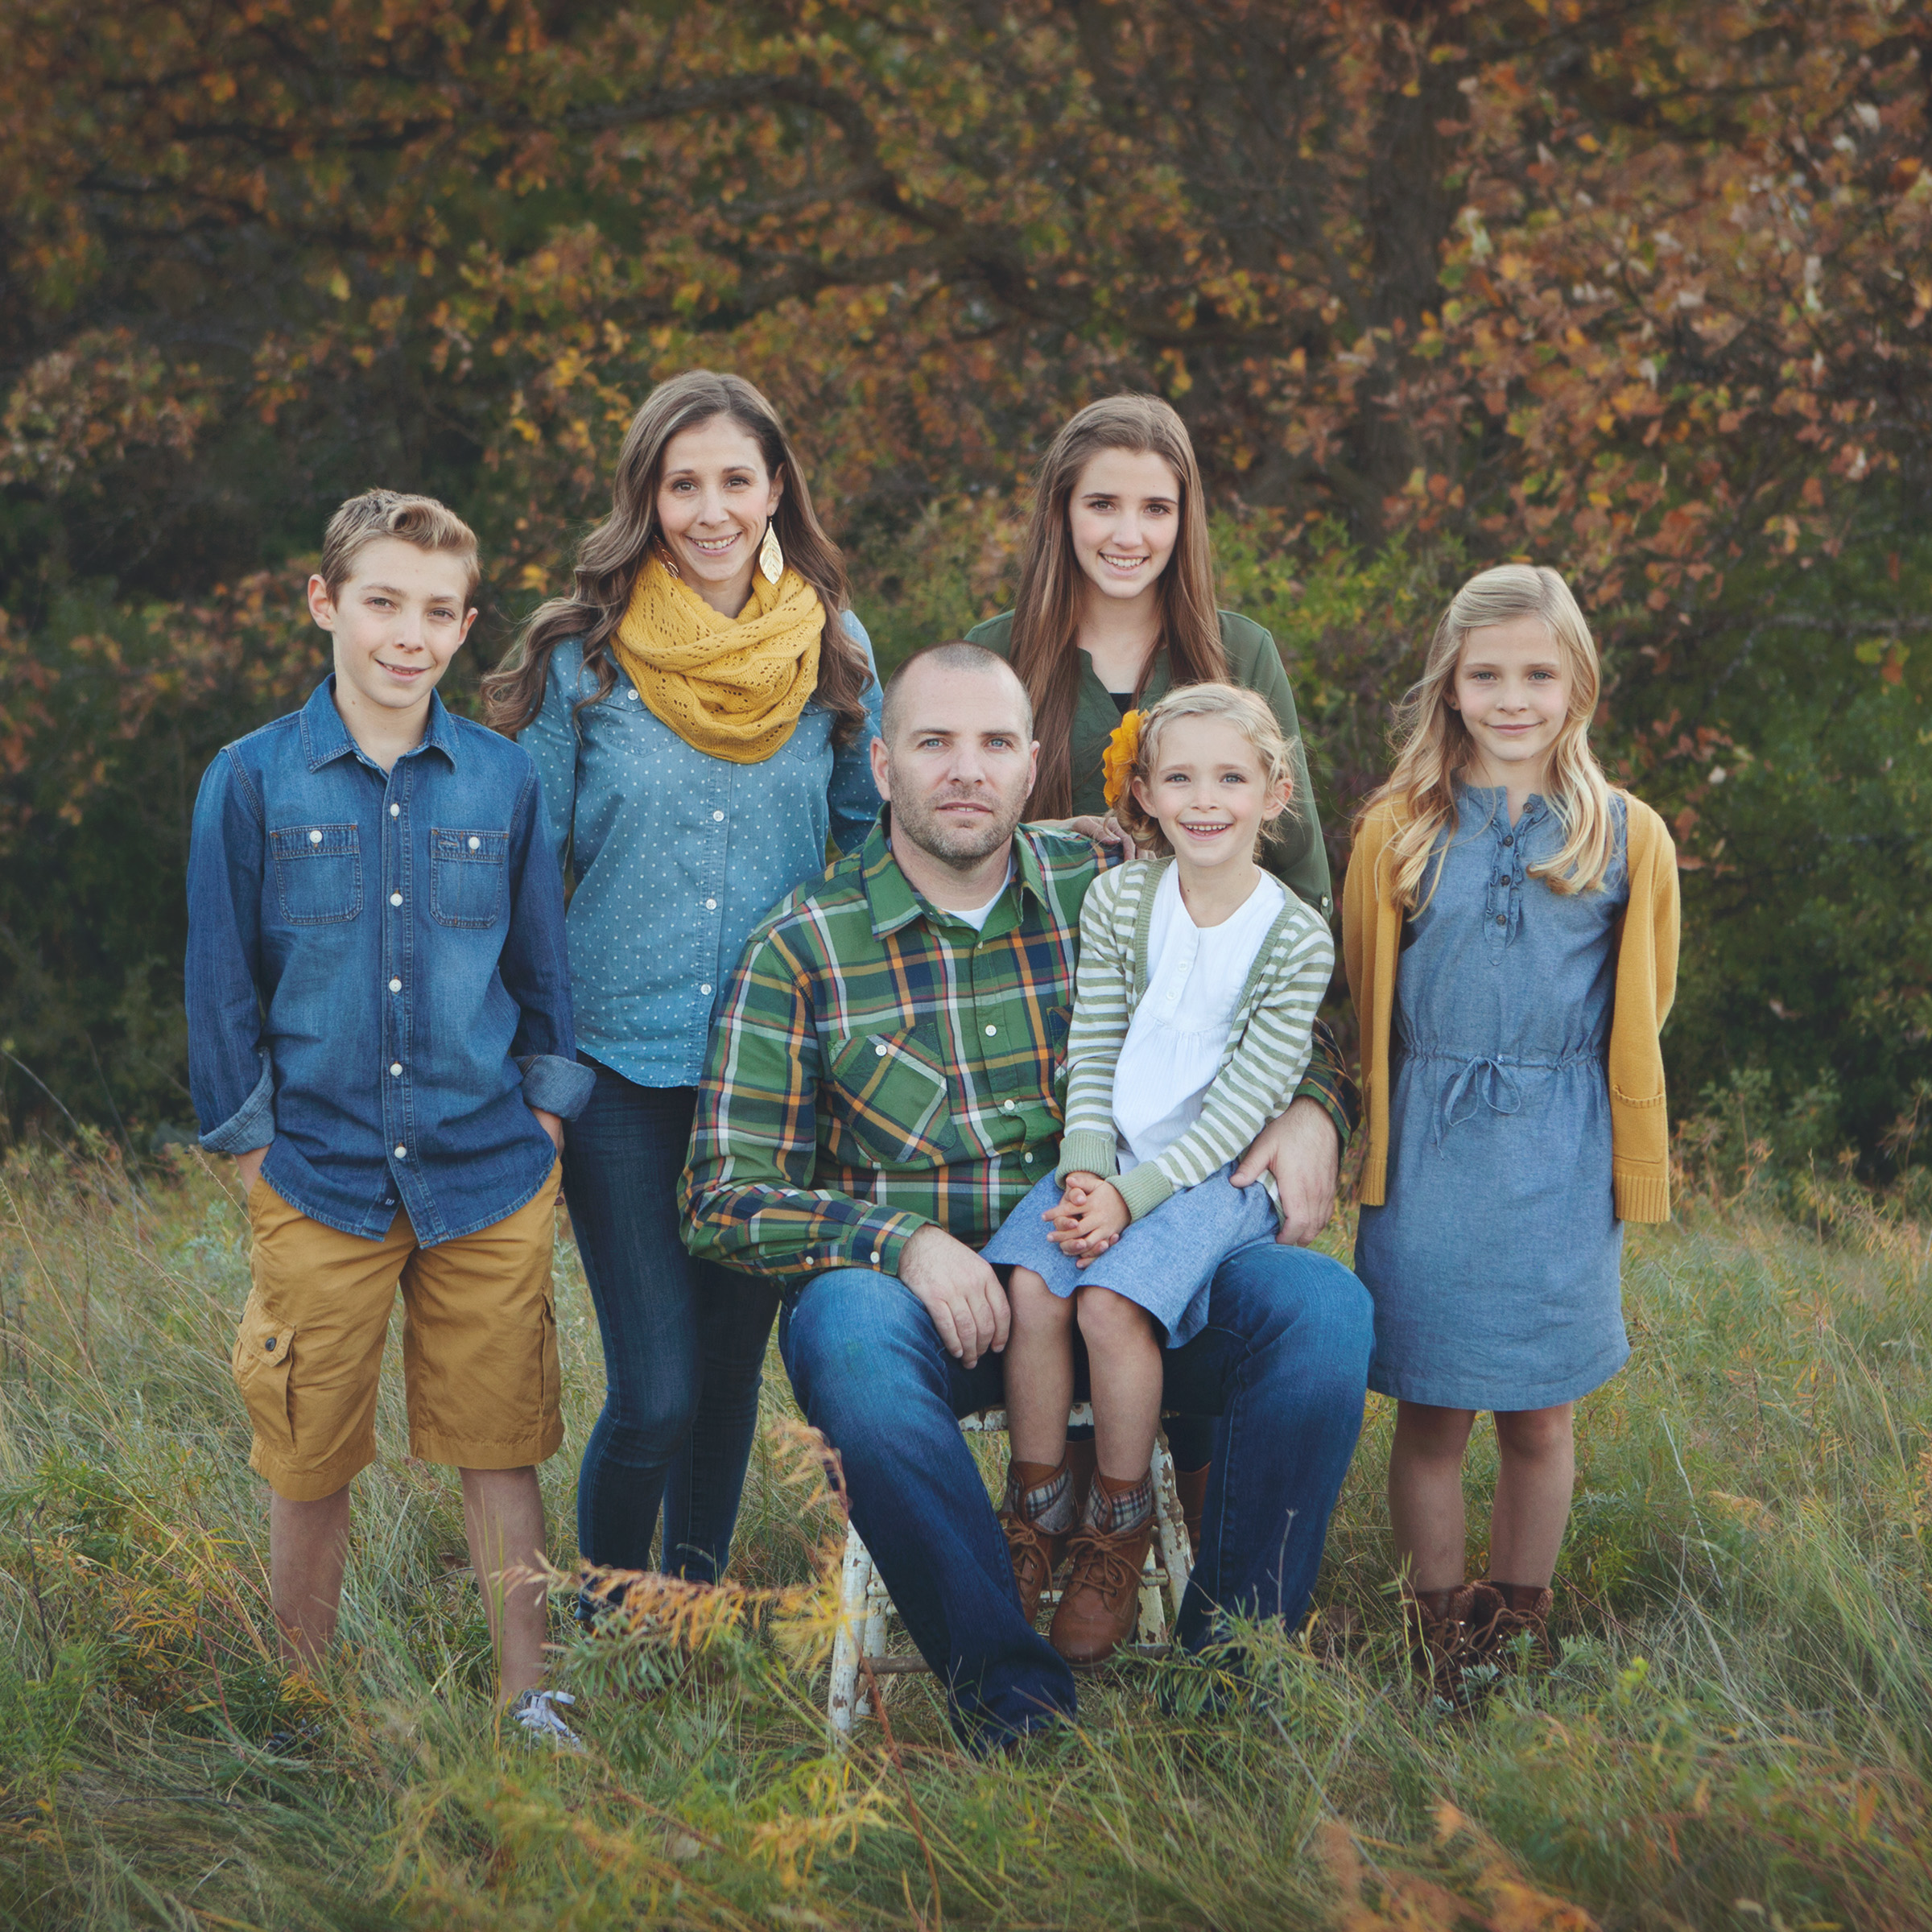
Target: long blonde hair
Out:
[1249,714]
[1434,748]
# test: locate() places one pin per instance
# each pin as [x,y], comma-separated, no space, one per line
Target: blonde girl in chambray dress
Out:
[1510,933]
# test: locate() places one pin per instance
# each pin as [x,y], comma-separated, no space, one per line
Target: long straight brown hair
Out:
[609,559]
[1053,587]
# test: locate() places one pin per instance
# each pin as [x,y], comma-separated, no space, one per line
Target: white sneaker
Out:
[535,1711]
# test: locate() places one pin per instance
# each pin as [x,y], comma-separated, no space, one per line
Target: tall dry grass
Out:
[1739,1734]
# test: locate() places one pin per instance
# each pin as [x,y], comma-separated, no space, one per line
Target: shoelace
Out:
[1024,1540]
[1101,1565]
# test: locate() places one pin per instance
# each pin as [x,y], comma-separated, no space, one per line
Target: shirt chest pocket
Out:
[318,872]
[889,1103]
[466,876]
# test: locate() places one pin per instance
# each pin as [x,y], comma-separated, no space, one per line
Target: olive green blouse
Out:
[1292,850]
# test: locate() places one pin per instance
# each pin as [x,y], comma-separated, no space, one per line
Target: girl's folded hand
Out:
[1097,1224]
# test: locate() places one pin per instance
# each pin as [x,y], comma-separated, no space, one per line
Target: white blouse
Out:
[1180,1030]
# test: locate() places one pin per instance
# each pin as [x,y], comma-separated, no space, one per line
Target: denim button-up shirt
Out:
[376,986]
[679,855]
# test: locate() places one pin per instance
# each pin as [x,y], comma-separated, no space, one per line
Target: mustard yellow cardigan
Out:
[1646,982]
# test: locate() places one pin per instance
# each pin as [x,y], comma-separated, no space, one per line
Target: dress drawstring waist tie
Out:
[1490,1080]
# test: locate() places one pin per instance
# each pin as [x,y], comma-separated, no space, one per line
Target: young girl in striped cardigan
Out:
[1199,982]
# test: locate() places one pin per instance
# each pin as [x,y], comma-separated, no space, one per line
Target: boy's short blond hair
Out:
[378,513]
[1249,713]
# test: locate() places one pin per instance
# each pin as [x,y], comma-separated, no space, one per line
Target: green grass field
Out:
[1741,1733]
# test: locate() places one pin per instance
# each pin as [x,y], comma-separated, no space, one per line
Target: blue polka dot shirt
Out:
[678,856]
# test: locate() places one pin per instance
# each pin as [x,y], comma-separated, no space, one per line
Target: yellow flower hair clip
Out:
[1116,762]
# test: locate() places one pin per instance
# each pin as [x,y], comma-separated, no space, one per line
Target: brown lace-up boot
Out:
[1440,1625]
[1521,1610]
[1037,1516]
[1081,1463]
[1099,1605]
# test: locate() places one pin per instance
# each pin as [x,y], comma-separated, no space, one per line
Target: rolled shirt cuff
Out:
[879,1239]
[1331,1103]
[556,1085]
[1144,1189]
[1086,1150]
[252,1124]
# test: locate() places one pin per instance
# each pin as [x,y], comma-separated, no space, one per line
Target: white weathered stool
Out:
[865,1605]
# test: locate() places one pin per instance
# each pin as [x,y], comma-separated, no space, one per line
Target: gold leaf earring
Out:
[771,559]
[665,557]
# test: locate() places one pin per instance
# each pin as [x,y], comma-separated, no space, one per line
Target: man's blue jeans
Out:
[1282,1363]
[683,1342]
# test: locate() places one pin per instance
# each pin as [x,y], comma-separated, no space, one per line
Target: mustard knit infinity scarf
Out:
[732,688]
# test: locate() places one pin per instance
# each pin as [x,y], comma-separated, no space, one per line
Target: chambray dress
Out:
[1495,1264]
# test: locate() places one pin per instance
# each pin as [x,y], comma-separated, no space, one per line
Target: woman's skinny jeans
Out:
[683,1342]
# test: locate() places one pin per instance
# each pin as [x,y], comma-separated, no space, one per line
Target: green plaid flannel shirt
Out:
[878,1065]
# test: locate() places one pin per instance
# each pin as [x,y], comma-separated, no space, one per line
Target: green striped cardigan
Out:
[1268,1040]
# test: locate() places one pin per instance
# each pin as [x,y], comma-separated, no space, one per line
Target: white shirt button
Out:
[401,1153]
[395,986]
[632,695]
[1006,1106]
[875,1257]
[706,987]
[718,815]
[395,812]
[880,1049]
[476,845]
[395,1066]
[991,1029]
[1027,1158]
[315,838]
[711,905]
[395,898]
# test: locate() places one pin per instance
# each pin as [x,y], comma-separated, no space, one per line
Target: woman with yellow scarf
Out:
[701,709]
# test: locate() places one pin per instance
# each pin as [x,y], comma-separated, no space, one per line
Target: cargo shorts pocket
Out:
[265,1354]
[553,1376]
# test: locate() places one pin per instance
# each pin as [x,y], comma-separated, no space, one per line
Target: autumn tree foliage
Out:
[1638,287]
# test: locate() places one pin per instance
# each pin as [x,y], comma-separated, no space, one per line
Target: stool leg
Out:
[878,1602]
[855,1578]
[1154,1612]
[1170,1524]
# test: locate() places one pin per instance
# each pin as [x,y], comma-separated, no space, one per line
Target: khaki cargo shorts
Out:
[479,1344]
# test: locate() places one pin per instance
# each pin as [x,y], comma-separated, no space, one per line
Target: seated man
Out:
[880,1095]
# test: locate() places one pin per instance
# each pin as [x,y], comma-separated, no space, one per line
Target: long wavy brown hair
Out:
[1053,587]
[1434,748]
[609,559]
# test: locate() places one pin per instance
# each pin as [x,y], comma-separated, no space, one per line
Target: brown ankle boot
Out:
[1102,1598]
[1521,1610]
[1441,1626]
[1035,1553]
[1191,1486]
[1082,1460]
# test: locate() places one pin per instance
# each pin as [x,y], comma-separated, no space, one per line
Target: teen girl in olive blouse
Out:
[1116,607]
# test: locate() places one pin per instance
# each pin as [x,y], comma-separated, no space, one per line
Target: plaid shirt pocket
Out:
[889,1103]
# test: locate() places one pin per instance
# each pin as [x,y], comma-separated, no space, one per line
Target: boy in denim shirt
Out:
[379,1032]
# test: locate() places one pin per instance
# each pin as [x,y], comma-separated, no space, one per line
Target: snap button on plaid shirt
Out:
[877,1065]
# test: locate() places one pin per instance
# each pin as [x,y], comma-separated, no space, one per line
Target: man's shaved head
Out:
[954,657]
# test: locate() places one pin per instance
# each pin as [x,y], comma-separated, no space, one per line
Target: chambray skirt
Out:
[1164,1261]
